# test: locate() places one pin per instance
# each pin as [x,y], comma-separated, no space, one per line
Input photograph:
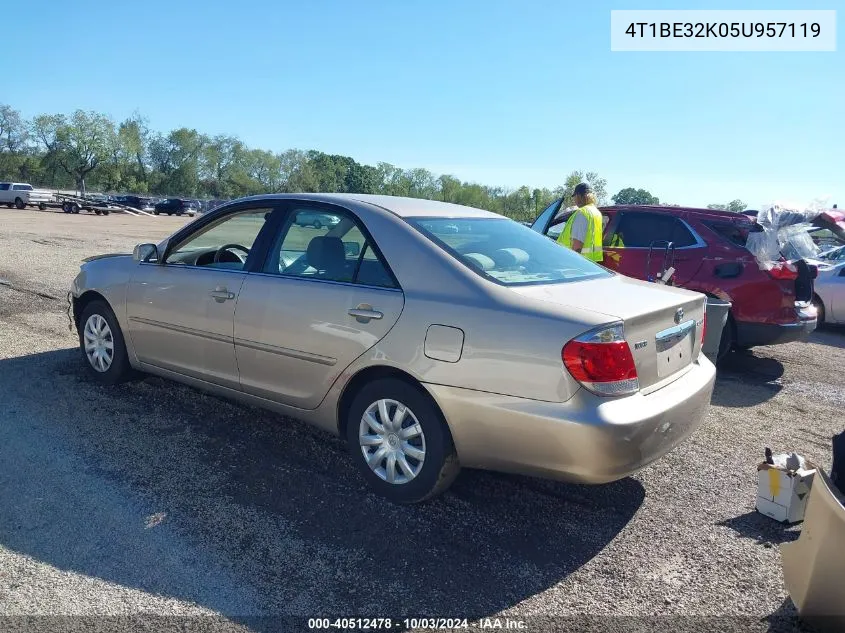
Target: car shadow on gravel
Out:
[745,380]
[832,335]
[259,514]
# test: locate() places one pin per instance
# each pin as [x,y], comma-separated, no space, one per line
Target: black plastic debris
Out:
[837,472]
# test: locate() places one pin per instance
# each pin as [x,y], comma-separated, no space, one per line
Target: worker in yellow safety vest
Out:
[583,230]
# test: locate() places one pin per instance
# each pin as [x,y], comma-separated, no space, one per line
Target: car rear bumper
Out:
[749,334]
[587,439]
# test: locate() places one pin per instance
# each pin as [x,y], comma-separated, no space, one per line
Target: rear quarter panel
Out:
[756,297]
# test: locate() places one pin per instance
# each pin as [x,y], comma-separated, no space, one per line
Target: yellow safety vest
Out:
[591,249]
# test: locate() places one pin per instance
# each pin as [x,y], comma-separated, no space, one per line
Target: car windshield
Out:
[507,252]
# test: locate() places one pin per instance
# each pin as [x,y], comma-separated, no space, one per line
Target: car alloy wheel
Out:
[99,343]
[392,441]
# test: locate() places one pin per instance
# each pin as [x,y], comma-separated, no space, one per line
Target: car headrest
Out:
[482,262]
[507,257]
[325,253]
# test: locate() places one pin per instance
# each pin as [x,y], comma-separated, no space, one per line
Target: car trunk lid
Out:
[662,325]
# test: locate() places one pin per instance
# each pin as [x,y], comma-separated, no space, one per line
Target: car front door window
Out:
[226,244]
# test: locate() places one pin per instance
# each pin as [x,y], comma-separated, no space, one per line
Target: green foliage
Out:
[90,149]
[77,145]
[632,196]
[737,206]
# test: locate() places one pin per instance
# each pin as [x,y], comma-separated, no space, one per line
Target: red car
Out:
[772,301]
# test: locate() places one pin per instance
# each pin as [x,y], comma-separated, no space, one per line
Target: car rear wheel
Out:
[74,208]
[400,442]
[318,224]
[102,344]
[19,204]
[42,207]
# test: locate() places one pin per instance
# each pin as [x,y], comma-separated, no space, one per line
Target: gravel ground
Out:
[155,499]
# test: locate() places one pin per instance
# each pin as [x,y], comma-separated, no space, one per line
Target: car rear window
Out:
[507,252]
[734,233]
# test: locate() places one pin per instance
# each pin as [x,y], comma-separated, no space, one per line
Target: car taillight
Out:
[601,361]
[783,270]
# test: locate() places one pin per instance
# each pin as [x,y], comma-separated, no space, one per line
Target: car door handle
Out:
[365,313]
[221,294]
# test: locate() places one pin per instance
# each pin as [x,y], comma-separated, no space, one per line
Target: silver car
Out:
[829,296]
[427,348]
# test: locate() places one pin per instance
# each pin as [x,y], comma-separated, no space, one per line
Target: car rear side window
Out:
[22,188]
[327,246]
[733,233]
[4,186]
[642,230]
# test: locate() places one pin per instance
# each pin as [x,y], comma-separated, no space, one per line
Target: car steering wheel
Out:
[219,253]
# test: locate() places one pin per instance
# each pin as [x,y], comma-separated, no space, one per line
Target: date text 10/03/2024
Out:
[724,29]
[415,623]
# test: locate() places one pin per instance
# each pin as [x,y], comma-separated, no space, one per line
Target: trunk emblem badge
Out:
[679,314]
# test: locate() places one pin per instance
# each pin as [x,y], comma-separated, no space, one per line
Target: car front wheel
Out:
[102,344]
[400,442]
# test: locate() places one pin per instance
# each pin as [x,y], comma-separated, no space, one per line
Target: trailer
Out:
[75,204]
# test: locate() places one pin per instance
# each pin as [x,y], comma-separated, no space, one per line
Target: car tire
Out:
[74,208]
[728,340]
[19,204]
[42,207]
[819,305]
[65,207]
[10,204]
[97,211]
[429,453]
[317,224]
[98,329]
[105,211]
[155,212]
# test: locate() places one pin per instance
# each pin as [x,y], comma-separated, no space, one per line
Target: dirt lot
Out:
[153,498]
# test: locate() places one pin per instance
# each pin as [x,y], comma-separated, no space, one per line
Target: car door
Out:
[836,292]
[181,309]
[643,244]
[325,296]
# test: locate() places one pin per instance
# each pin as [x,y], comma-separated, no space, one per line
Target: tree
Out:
[79,145]
[631,196]
[88,149]
[737,206]
[176,161]
[16,160]
[598,184]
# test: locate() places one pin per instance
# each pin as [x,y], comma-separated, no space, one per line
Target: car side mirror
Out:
[352,249]
[145,253]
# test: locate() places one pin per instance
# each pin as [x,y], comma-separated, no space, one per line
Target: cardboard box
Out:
[782,495]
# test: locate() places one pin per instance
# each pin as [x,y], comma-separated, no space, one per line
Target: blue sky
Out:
[502,92]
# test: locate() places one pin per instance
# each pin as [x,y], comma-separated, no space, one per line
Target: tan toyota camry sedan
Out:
[430,335]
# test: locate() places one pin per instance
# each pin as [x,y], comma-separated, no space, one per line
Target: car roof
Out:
[403,207]
[713,213]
